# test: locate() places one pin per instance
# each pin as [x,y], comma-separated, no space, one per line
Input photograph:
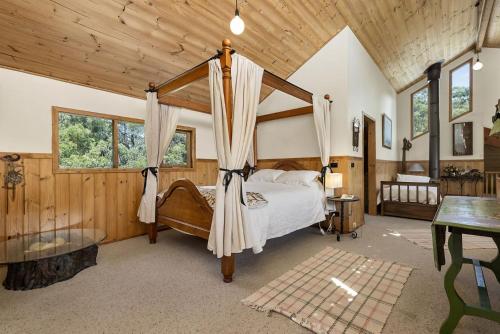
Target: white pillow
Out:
[413,178]
[298,177]
[265,175]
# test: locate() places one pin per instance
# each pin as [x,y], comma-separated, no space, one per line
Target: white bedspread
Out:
[422,194]
[290,208]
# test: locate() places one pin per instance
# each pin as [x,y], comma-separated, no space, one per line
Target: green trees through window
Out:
[420,112]
[86,141]
[460,90]
[178,152]
[131,145]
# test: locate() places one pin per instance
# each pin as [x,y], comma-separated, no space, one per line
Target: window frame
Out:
[471,89]
[115,119]
[411,111]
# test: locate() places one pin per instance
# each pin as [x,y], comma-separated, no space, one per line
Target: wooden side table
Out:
[341,201]
[462,179]
[474,216]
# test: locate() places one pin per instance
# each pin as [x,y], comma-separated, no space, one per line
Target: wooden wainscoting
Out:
[105,200]
[387,170]
[352,179]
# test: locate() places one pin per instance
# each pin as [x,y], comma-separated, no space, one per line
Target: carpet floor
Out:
[175,287]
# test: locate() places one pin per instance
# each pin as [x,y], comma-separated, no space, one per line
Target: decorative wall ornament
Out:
[356,124]
[386,131]
[14,175]
[462,138]
[406,147]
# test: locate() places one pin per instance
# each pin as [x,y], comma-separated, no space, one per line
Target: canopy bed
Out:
[228,222]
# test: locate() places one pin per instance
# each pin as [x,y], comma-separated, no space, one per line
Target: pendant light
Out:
[237,25]
[477,65]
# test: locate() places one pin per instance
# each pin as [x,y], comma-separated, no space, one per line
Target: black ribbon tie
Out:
[228,176]
[144,173]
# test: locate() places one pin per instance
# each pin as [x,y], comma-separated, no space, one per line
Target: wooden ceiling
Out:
[121,45]
[493,33]
[405,36]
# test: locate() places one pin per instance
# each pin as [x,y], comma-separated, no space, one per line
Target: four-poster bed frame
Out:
[182,207]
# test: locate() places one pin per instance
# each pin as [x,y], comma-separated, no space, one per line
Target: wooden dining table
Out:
[461,215]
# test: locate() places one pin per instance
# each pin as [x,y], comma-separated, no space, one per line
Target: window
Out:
[85,140]
[131,145]
[461,90]
[178,153]
[420,112]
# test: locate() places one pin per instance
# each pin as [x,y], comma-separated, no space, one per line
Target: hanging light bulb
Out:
[237,25]
[477,65]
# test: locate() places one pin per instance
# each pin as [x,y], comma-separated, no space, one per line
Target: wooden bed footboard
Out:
[401,206]
[183,208]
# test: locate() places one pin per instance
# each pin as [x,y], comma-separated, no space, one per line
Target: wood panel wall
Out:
[109,200]
[386,170]
[104,200]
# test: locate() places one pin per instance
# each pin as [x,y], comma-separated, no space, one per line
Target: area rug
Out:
[335,292]
[423,238]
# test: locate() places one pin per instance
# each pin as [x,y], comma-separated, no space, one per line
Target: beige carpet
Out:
[423,237]
[335,292]
[175,286]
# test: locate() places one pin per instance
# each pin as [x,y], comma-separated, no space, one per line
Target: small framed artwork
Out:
[462,138]
[386,131]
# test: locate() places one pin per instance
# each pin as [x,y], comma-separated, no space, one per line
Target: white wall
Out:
[26,112]
[371,94]
[324,73]
[343,69]
[486,92]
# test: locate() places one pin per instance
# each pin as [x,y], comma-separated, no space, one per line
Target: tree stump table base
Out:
[47,271]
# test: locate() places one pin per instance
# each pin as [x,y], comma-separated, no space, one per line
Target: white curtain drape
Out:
[229,233]
[160,124]
[251,156]
[321,112]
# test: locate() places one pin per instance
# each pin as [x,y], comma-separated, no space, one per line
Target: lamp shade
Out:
[333,180]
[416,168]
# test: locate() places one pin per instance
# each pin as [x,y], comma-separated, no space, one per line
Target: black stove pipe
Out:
[433,73]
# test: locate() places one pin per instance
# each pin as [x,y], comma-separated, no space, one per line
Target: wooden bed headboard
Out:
[288,165]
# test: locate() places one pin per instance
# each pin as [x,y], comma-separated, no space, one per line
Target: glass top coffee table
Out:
[41,259]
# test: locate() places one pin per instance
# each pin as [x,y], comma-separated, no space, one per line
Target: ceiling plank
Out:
[486,9]
[493,33]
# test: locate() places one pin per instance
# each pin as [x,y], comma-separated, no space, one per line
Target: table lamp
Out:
[332,181]
[416,168]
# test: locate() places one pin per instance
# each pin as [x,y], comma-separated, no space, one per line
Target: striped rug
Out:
[335,292]
[423,238]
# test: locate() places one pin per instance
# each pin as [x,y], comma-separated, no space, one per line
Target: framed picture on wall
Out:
[386,131]
[462,138]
